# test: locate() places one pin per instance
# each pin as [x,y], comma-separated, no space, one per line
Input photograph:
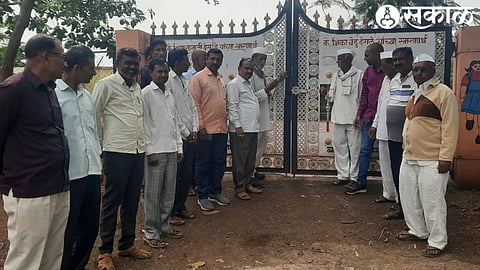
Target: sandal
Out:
[395,214]
[173,234]
[155,243]
[185,214]
[105,262]
[382,199]
[431,252]
[406,236]
[243,196]
[134,252]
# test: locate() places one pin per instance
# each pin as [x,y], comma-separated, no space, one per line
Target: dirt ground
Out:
[305,223]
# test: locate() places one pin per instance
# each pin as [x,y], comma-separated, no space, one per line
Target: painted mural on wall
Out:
[470,93]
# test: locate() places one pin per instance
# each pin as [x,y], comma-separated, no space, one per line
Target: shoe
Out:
[353,188]
[252,189]
[192,192]
[405,236]
[185,214]
[258,183]
[134,252]
[219,199]
[205,205]
[105,262]
[173,234]
[431,252]
[394,214]
[176,221]
[155,243]
[259,176]
[339,182]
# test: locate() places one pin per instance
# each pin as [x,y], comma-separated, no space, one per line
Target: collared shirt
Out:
[190,72]
[372,82]
[186,108]
[160,121]
[80,128]
[345,95]
[208,91]
[263,100]
[401,89]
[34,151]
[380,121]
[419,89]
[243,107]
[119,113]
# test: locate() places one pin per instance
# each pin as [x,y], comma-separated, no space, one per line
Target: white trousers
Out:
[36,229]
[389,191]
[422,192]
[261,146]
[346,145]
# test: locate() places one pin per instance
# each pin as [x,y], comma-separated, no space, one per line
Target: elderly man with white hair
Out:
[430,137]
[345,91]
[264,93]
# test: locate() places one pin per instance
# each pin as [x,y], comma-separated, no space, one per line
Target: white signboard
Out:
[420,42]
[233,49]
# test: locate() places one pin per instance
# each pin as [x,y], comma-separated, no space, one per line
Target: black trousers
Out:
[396,155]
[184,177]
[82,225]
[124,176]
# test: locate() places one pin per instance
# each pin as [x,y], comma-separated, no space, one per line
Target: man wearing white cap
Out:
[429,140]
[379,129]
[345,91]
[264,92]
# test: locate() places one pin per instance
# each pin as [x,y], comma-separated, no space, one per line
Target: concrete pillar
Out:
[466,172]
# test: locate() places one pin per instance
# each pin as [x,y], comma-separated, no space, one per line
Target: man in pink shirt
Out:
[208,91]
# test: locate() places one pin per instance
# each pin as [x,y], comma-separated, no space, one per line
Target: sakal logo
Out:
[387,17]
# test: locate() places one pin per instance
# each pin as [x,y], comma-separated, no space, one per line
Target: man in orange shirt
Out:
[208,91]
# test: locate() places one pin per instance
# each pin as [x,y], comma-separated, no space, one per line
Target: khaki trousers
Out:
[36,228]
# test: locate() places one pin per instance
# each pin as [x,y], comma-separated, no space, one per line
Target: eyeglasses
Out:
[58,54]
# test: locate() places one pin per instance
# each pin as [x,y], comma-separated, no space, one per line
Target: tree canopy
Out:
[72,21]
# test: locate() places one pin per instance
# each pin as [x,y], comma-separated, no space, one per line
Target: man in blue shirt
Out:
[85,167]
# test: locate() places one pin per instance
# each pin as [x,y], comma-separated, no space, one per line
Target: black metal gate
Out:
[299,142]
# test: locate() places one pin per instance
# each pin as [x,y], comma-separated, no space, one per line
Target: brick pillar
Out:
[467,156]
[136,39]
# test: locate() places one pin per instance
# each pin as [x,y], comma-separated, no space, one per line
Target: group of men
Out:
[55,136]
[414,117]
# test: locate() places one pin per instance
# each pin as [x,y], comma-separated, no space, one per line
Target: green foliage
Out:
[76,21]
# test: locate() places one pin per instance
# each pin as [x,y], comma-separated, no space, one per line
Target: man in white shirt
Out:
[120,131]
[243,113]
[78,114]
[163,144]
[188,124]
[345,94]
[379,129]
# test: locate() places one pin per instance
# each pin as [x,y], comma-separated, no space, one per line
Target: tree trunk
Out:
[23,19]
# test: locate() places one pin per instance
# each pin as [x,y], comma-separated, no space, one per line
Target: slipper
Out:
[185,214]
[155,243]
[105,262]
[405,236]
[243,196]
[382,199]
[173,234]
[431,252]
[395,214]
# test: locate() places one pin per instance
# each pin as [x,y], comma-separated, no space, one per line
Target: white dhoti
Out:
[389,191]
[346,145]
[422,192]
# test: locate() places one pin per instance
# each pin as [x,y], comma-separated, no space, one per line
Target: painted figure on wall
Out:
[470,93]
